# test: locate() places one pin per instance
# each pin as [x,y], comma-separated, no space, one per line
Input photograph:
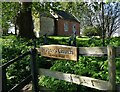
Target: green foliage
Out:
[94,67]
[114,41]
[12,47]
[56,85]
[9,12]
[86,66]
[91,31]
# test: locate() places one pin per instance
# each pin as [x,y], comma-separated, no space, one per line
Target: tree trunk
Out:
[25,22]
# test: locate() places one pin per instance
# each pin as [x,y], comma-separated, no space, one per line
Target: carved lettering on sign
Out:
[59,51]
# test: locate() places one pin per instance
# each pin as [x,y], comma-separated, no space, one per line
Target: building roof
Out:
[65,15]
[46,14]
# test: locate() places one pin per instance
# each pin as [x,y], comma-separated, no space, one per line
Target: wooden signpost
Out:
[68,53]
[59,52]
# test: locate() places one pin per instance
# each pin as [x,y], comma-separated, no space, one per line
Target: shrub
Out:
[12,47]
[91,31]
[85,66]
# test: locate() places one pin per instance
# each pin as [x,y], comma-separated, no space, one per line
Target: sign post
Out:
[59,52]
[34,71]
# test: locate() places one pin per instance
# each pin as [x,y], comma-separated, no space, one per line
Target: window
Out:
[65,26]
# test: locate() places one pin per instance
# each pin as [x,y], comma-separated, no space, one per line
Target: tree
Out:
[9,11]
[111,17]
[25,22]
[21,13]
[91,31]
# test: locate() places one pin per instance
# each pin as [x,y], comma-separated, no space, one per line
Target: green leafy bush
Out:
[91,31]
[12,47]
[94,67]
[86,66]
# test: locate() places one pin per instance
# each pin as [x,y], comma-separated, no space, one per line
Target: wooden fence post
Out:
[4,81]
[34,70]
[111,68]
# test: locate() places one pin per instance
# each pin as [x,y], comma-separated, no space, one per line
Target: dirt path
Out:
[28,88]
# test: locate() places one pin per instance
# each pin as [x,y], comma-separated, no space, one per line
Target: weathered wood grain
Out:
[111,68]
[89,51]
[59,52]
[93,51]
[77,79]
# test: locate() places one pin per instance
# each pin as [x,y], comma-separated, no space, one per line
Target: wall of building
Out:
[36,21]
[67,31]
[46,26]
[63,27]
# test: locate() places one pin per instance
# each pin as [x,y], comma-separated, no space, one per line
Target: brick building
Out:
[59,23]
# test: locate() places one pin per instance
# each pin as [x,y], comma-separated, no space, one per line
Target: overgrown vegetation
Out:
[92,31]
[85,66]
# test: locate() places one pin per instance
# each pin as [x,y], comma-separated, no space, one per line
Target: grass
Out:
[83,38]
[58,37]
[67,37]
